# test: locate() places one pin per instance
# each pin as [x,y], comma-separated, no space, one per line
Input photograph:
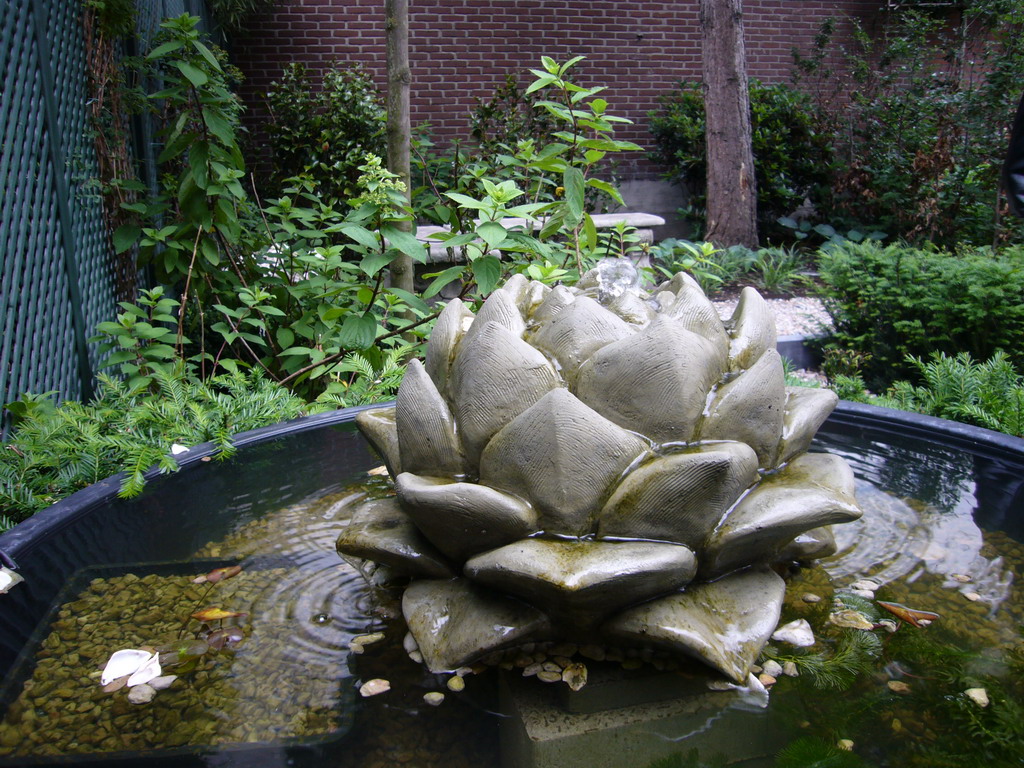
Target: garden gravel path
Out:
[799,316]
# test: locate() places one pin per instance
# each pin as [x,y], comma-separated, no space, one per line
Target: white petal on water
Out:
[8,579]
[148,671]
[796,633]
[124,662]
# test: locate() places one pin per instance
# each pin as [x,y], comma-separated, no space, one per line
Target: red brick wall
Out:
[462,50]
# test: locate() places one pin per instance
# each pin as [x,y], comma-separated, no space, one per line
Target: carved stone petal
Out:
[449,328]
[577,332]
[533,297]
[426,428]
[654,382]
[378,427]
[815,489]
[806,410]
[496,376]
[750,408]
[455,622]
[723,623]
[564,457]
[516,286]
[557,299]
[501,308]
[632,308]
[382,532]
[695,312]
[579,582]
[462,519]
[680,497]
[811,545]
[753,330]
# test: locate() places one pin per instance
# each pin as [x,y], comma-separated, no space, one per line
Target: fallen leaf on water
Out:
[215,614]
[912,616]
[221,574]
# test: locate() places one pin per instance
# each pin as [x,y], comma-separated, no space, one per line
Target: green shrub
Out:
[324,129]
[893,302]
[126,428]
[791,160]
[919,129]
[988,394]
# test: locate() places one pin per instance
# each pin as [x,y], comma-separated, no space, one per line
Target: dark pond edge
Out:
[870,418]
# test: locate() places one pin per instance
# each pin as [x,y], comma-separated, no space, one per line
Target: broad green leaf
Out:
[297,351]
[358,331]
[361,235]
[574,190]
[487,272]
[126,236]
[442,279]
[406,242]
[411,299]
[285,337]
[493,233]
[207,54]
[218,126]
[194,75]
[376,261]
[607,188]
[589,232]
[466,201]
[160,50]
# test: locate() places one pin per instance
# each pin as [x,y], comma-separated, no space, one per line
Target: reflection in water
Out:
[923,523]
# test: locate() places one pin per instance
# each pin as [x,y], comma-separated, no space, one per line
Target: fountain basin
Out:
[969,473]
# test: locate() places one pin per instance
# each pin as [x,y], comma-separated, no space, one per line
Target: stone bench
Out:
[643,222]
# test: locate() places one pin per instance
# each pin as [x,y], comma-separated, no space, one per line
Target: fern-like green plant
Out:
[129,428]
[988,394]
[853,655]
[815,753]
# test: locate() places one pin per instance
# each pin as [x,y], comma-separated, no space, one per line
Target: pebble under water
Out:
[890,698]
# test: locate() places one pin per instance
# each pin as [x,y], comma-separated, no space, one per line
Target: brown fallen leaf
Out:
[912,616]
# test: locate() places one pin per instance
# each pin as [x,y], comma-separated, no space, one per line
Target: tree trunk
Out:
[396,24]
[732,190]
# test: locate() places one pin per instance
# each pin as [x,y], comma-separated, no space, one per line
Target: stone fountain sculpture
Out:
[599,464]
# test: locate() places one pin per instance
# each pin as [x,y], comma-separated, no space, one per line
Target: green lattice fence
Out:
[56,276]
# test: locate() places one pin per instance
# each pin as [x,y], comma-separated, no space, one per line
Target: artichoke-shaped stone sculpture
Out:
[599,464]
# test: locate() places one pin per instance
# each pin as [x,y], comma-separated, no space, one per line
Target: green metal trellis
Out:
[56,270]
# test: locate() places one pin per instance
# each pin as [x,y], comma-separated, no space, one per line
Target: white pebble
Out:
[369,639]
[549,677]
[456,684]
[810,597]
[845,744]
[978,695]
[141,694]
[416,656]
[865,584]
[796,633]
[434,698]
[789,669]
[409,643]
[972,596]
[162,682]
[532,670]
[373,687]
[772,667]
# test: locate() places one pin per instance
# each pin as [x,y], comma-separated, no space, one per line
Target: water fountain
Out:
[941,531]
[599,464]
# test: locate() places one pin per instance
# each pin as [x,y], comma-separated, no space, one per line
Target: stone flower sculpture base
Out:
[599,464]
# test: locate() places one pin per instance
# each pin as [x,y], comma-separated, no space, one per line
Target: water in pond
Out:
[899,697]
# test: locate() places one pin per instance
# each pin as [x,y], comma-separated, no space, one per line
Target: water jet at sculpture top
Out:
[599,464]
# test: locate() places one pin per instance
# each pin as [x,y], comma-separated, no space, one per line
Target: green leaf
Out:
[607,188]
[466,201]
[493,233]
[207,54]
[414,301]
[406,242]
[442,279]
[361,235]
[194,75]
[219,126]
[166,48]
[487,272]
[126,236]
[375,262]
[285,337]
[589,232]
[358,331]
[574,184]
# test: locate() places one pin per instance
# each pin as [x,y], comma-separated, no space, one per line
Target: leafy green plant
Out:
[700,260]
[810,752]
[324,129]
[989,394]
[911,110]
[55,452]
[791,158]
[778,270]
[234,15]
[890,303]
